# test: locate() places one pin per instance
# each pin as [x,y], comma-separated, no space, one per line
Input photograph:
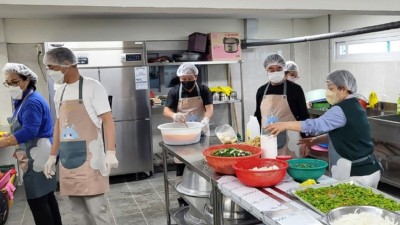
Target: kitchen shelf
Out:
[194,62]
[214,103]
[226,102]
[197,202]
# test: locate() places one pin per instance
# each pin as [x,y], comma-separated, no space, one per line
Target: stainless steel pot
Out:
[193,184]
[231,210]
[231,44]
[186,56]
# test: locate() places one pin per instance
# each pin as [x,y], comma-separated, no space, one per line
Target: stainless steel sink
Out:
[385,128]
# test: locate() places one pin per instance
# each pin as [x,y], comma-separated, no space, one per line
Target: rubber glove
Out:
[206,126]
[111,161]
[179,117]
[48,167]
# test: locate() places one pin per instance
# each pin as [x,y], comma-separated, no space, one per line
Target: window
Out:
[382,46]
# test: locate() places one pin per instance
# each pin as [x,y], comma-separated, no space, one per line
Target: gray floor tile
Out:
[134,219]
[149,202]
[141,187]
[124,206]
[156,218]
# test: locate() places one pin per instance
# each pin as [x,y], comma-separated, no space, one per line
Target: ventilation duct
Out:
[363,30]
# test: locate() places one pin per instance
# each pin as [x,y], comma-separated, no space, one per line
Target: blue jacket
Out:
[34,118]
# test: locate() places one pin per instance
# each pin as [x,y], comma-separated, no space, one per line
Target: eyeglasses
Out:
[12,83]
[294,75]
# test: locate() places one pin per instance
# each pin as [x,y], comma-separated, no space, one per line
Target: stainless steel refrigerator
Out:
[118,66]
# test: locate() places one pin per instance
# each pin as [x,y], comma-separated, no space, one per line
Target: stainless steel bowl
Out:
[337,213]
[231,209]
[193,184]
[193,217]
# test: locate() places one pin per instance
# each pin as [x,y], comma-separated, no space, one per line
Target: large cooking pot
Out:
[193,184]
[231,44]
[231,210]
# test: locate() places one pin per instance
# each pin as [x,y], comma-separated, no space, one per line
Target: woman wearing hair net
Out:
[291,71]
[348,132]
[84,165]
[32,130]
[279,100]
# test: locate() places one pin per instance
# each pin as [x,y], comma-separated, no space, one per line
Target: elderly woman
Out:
[348,132]
[291,71]
[279,100]
[31,130]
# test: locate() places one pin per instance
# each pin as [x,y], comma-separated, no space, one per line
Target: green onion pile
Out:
[231,152]
[328,198]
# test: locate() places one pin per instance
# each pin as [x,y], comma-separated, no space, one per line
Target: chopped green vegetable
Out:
[328,198]
[303,165]
[232,152]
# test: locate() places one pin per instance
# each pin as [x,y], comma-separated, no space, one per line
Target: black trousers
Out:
[45,210]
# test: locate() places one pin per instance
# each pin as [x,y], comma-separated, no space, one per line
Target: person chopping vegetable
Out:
[280,100]
[189,102]
[348,132]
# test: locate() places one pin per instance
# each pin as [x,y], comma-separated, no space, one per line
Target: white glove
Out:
[179,117]
[206,126]
[111,161]
[205,121]
[48,167]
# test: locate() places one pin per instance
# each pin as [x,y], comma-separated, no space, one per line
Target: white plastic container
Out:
[179,134]
[252,128]
[269,146]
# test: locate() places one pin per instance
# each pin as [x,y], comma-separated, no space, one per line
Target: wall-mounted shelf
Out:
[226,102]
[194,62]
[214,103]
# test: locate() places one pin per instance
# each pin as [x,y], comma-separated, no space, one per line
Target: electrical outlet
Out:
[39,49]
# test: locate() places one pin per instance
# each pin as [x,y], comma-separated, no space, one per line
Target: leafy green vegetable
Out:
[303,165]
[328,198]
[231,152]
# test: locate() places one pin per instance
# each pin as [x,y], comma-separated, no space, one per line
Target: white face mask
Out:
[331,97]
[276,77]
[57,76]
[15,92]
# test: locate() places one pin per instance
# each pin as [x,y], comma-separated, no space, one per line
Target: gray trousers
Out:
[90,210]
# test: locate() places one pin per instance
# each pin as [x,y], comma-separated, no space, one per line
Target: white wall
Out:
[38,31]
[381,77]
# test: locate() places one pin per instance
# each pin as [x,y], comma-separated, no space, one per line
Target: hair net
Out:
[343,78]
[187,69]
[291,66]
[20,69]
[60,56]
[274,59]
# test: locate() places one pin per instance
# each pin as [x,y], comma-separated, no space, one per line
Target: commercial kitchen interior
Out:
[25,24]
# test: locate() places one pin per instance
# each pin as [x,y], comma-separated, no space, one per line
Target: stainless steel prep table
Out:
[192,156]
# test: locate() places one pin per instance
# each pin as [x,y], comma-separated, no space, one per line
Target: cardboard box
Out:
[224,46]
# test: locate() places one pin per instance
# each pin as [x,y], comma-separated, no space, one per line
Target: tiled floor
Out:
[131,202]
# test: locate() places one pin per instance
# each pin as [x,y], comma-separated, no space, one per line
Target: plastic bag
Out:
[226,134]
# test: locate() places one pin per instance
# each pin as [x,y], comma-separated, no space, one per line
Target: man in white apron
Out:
[350,145]
[31,130]
[279,100]
[189,102]
[82,106]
